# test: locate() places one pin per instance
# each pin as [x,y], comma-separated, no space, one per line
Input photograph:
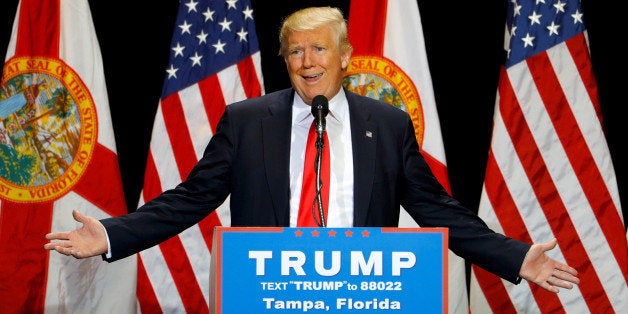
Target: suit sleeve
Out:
[206,187]
[469,236]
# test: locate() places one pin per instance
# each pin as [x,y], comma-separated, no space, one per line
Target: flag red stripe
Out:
[24,260]
[579,51]
[438,169]
[103,173]
[144,291]
[178,132]
[493,287]
[601,201]
[549,199]
[213,100]
[513,225]
[183,276]
[38,20]
[576,149]
[248,76]
[498,194]
[518,130]
[179,265]
[367,19]
[152,185]
[145,294]
[207,228]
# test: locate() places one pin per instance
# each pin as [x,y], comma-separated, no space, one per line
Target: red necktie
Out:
[307,208]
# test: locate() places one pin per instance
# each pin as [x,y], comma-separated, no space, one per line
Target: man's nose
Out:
[308,59]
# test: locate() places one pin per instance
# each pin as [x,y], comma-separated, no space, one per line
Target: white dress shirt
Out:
[338,128]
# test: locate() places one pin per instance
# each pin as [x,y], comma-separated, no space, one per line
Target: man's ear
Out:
[345,61]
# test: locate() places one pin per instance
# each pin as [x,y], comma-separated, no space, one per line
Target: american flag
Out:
[549,172]
[214,61]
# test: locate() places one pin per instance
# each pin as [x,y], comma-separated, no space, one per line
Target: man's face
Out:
[315,63]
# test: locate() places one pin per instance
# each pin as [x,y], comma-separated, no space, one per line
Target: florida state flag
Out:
[389,63]
[57,153]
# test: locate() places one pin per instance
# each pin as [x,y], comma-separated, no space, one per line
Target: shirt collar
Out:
[302,112]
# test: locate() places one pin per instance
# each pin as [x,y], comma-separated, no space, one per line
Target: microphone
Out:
[320,109]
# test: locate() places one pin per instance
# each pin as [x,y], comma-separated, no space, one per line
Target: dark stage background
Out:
[464,42]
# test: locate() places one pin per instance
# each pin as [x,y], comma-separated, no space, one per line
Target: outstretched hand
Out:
[546,272]
[86,241]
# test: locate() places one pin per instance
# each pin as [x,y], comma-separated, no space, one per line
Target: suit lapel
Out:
[364,140]
[276,136]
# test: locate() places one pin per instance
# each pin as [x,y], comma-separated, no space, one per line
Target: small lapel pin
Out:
[369,134]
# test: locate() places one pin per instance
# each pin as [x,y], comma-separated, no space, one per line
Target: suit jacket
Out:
[248,159]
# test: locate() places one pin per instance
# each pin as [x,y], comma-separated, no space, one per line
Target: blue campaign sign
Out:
[337,270]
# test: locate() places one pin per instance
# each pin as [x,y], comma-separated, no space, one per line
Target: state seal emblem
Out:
[48,129]
[380,78]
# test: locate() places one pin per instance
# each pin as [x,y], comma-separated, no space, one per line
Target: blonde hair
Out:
[310,19]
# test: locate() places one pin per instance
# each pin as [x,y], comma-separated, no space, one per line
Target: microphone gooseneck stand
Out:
[320,109]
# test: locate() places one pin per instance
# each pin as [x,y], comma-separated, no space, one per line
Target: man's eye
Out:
[320,49]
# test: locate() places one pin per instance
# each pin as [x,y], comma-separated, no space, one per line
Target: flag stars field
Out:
[546,25]
[203,38]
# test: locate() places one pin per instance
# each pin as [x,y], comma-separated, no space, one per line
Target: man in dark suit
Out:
[256,155]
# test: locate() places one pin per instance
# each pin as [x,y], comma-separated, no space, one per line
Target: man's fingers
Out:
[561,277]
[65,249]
[548,286]
[69,251]
[549,245]
[58,236]
[566,273]
[78,216]
[56,245]
[566,276]
[567,269]
[557,282]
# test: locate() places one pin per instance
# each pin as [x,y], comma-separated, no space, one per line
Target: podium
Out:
[334,270]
